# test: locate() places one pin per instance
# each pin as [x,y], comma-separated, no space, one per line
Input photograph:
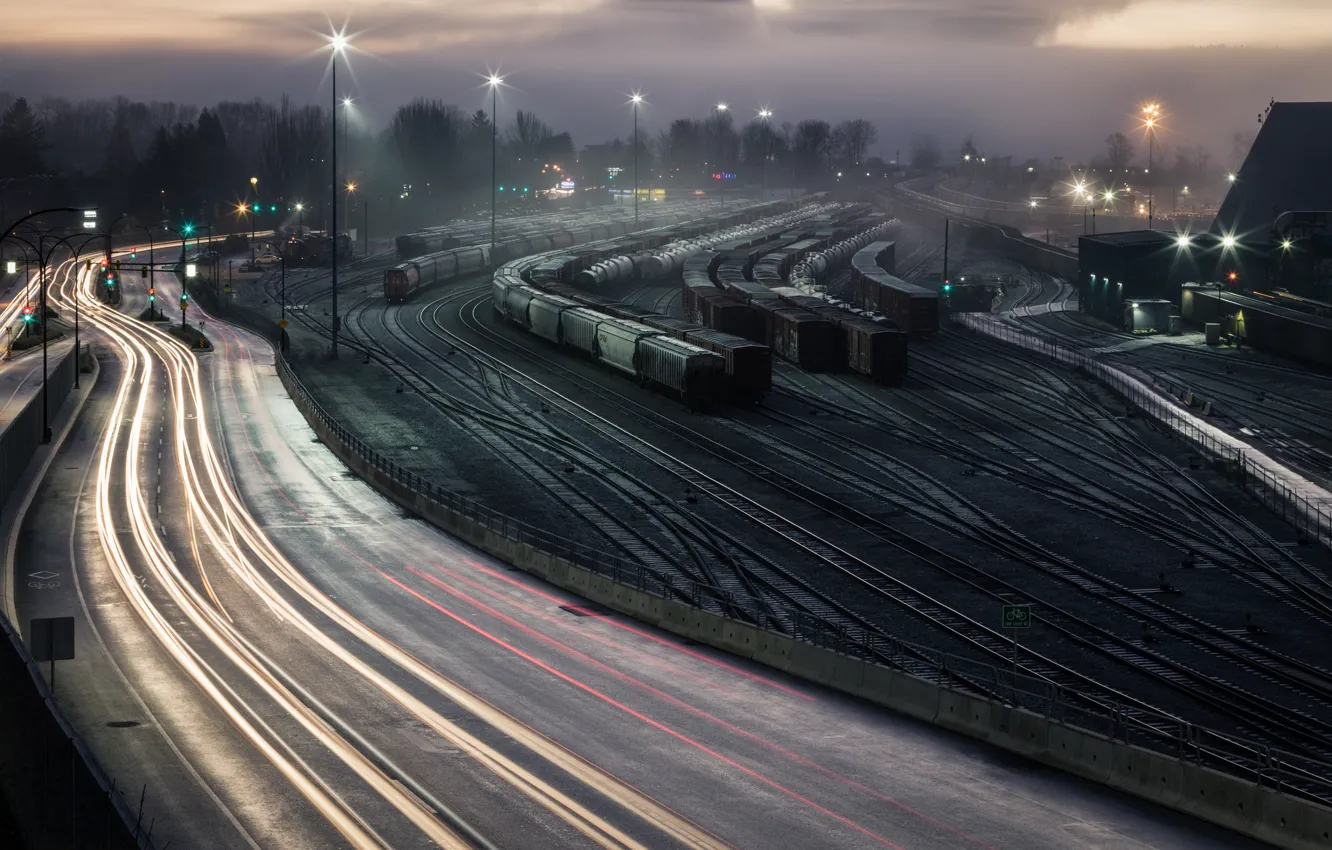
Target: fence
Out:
[1254,762]
[1310,512]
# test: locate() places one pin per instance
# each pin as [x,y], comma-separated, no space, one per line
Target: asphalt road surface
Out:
[309,666]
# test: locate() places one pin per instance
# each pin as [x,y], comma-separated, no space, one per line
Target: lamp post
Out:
[300,219]
[346,206]
[721,153]
[494,81]
[338,43]
[9,233]
[636,100]
[1153,112]
[764,115]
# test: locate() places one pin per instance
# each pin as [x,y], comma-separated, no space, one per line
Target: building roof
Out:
[1288,168]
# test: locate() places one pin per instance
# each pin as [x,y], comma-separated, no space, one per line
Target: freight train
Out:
[913,308]
[695,375]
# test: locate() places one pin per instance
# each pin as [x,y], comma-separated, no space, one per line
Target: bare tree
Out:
[1119,150]
[851,141]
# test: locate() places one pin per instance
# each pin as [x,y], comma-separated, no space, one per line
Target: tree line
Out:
[165,161]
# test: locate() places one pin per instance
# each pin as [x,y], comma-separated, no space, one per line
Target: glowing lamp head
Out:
[765,114]
[188,229]
[1285,244]
[1183,241]
[1109,196]
[636,99]
[1232,177]
[1228,241]
[346,101]
[254,181]
[1033,205]
[300,207]
[1233,276]
[338,43]
[721,107]
[11,267]
[494,80]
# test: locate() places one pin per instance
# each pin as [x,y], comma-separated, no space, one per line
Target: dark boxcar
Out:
[748,363]
[875,349]
[694,374]
[804,338]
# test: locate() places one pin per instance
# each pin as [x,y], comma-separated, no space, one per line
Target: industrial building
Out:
[1273,232]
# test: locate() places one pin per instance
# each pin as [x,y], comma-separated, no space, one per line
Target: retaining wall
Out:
[1175,782]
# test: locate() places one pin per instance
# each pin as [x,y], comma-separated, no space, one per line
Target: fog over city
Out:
[1034,77]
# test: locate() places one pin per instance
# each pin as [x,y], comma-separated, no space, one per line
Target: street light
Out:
[636,100]
[1152,113]
[494,81]
[765,115]
[338,44]
[300,219]
[721,154]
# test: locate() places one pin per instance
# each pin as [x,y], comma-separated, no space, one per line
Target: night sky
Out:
[1025,77]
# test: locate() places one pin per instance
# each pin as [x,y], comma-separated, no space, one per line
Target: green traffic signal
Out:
[189,228]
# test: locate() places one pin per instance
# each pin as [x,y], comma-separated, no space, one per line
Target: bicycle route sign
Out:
[1017,616]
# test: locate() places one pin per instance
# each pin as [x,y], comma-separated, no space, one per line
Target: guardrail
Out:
[1269,483]
[1183,743]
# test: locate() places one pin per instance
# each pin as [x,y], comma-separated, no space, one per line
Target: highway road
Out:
[309,666]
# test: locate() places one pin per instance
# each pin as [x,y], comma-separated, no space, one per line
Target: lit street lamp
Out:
[338,44]
[721,155]
[1153,113]
[636,100]
[494,81]
[765,115]
[300,219]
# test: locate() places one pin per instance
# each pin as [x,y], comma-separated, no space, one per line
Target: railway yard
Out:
[988,477]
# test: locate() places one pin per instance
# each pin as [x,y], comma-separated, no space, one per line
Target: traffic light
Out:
[152,293]
[27,313]
[184,300]
[947,287]
[272,207]
[143,272]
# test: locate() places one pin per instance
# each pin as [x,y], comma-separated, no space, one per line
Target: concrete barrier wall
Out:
[1178,784]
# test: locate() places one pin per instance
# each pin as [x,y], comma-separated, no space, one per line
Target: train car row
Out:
[406,278]
[588,226]
[655,359]
[913,308]
[664,260]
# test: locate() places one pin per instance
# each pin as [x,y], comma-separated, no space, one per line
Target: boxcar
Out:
[696,375]
[578,329]
[617,343]
[804,338]
[875,349]
[748,364]
[543,315]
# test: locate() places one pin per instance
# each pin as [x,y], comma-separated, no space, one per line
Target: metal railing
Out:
[1162,733]
[1264,479]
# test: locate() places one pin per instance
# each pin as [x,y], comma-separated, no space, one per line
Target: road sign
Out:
[51,638]
[1017,616]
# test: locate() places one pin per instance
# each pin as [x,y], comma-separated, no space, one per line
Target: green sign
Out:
[1017,616]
